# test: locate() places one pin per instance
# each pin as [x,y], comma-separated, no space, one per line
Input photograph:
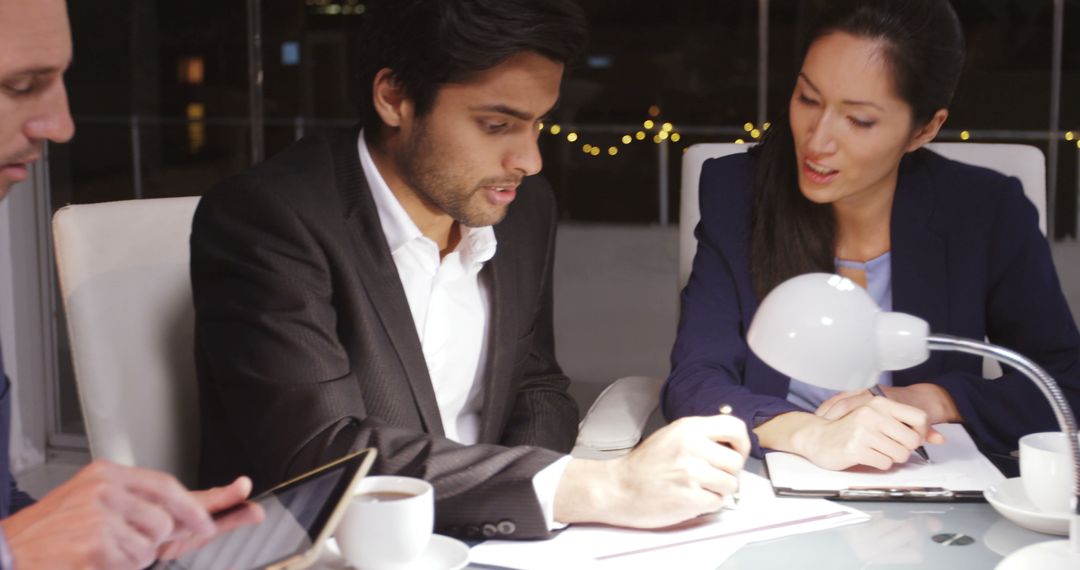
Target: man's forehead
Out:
[34,35]
[524,84]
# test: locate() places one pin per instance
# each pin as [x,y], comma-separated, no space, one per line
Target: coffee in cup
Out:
[388,523]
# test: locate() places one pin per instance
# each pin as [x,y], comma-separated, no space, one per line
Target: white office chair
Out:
[125,283]
[616,421]
[123,269]
[1025,162]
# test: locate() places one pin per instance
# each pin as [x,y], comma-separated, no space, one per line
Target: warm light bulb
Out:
[612,151]
[556,129]
[748,127]
[667,127]
[640,135]
[740,141]
[571,137]
[654,111]
[627,139]
[755,134]
[648,124]
[964,135]
[675,137]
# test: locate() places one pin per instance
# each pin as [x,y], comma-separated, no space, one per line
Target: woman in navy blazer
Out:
[848,180]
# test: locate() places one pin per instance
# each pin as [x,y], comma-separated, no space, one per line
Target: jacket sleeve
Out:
[267,334]
[710,357]
[1027,312]
[543,413]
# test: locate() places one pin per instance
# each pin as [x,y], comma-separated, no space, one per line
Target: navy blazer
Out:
[11,498]
[967,256]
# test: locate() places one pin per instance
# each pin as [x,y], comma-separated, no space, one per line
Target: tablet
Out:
[300,515]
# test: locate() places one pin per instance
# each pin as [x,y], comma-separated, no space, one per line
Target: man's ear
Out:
[390,100]
[929,131]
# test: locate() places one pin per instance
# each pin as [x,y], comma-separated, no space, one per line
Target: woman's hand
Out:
[879,434]
[939,406]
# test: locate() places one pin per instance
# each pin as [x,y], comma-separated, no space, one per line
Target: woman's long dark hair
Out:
[923,45]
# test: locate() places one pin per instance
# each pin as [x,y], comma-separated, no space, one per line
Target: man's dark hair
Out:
[430,43]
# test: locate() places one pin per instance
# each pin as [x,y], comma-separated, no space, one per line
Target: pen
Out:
[877,391]
[725,410]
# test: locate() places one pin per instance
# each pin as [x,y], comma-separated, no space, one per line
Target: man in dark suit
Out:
[106,516]
[390,287]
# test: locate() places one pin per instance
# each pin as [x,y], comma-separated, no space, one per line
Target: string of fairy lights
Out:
[658,131]
[653,128]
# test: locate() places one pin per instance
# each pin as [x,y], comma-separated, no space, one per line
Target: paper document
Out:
[957,471]
[704,543]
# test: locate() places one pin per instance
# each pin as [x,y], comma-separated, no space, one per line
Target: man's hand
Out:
[217,500]
[682,471]
[107,516]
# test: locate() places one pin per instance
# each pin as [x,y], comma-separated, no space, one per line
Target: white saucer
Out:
[443,553]
[1009,499]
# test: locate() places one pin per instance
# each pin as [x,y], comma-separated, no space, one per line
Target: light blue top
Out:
[879,285]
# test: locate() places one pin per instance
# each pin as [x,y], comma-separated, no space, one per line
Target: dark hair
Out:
[430,43]
[923,44]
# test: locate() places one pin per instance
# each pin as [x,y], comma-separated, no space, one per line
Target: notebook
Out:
[957,472]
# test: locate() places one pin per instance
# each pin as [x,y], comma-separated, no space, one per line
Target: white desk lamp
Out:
[826,330]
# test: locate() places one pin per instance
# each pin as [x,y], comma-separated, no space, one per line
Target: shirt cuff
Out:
[7,561]
[545,484]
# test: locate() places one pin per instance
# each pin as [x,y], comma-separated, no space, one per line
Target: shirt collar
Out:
[398,227]
[477,244]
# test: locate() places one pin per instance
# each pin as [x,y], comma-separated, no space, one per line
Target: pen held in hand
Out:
[731,501]
[921,451]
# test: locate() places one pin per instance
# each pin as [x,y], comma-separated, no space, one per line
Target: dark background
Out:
[696,60]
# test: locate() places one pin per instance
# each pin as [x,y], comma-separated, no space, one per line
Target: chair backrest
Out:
[1022,161]
[689,211]
[124,278]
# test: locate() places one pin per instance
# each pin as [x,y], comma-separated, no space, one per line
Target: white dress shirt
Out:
[450,303]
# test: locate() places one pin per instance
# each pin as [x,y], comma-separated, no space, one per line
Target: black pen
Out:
[877,391]
[725,410]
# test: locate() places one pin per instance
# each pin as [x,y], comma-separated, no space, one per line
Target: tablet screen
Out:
[296,515]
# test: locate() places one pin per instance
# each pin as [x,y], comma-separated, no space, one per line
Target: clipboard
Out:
[958,472]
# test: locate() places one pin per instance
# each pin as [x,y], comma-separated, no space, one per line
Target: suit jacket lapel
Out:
[380,277]
[502,345]
[919,260]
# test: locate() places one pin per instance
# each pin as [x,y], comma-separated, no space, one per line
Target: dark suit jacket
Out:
[967,256]
[12,499]
[306,348]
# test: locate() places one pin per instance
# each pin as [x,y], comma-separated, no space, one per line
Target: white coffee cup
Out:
[388,524]
[1046,470]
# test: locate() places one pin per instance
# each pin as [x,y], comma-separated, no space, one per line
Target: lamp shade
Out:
[827,331]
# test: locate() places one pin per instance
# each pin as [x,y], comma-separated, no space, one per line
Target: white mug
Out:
[388,523]
[1046,470]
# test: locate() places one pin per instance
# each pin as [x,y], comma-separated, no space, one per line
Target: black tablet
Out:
[300,515]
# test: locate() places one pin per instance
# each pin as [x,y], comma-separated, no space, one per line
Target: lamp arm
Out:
[1045,383]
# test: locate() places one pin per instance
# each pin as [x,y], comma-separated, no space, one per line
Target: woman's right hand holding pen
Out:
[878,434]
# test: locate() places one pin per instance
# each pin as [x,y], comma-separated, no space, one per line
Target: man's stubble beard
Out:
[432,177]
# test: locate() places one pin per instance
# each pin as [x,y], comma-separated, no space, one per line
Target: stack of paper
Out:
[957,468]
[703,543]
